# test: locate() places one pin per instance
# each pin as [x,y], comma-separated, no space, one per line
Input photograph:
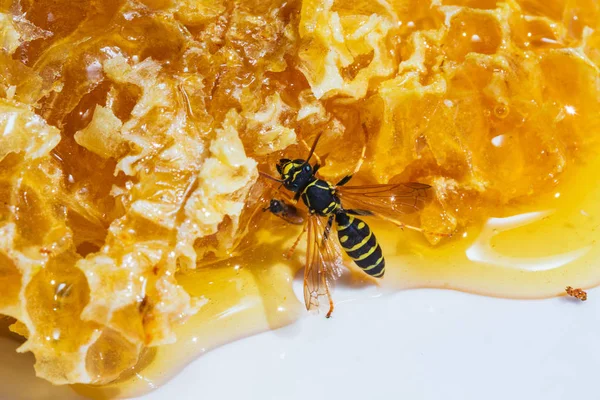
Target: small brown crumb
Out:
[146,309]
[577,293]
[143,304]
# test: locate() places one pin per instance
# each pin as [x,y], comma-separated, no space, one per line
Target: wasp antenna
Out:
[314,153]
[314,146]
[269,176]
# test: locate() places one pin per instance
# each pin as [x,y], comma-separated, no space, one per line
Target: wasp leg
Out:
[411,227]
[344,180]
[331,305]
[290,252]
[417,229]
[359,164]
[285,196]
[297,196]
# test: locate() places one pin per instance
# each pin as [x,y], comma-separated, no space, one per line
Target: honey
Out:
[131,237]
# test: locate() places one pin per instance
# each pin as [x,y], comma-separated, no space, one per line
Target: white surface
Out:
[419,344]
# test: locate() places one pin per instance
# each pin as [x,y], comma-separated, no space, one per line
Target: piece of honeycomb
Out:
[132,132]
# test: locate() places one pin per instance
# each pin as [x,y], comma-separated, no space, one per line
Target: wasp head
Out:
[295,174]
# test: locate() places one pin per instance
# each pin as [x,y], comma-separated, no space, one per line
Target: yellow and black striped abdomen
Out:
[360,244]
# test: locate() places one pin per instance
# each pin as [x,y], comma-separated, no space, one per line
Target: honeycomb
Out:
[133,131]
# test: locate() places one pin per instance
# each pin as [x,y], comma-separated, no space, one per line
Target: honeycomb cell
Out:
[537,33]
[33,218]
[109,356]
[553,9]
[578,15]
[56,296]
[472,31]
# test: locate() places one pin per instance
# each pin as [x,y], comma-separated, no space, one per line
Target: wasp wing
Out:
[393,202]
[323,263]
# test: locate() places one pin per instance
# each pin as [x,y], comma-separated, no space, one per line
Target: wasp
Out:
[340,205]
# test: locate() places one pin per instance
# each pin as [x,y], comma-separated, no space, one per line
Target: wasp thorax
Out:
[295,174]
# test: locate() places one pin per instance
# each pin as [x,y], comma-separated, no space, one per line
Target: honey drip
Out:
[133,131]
